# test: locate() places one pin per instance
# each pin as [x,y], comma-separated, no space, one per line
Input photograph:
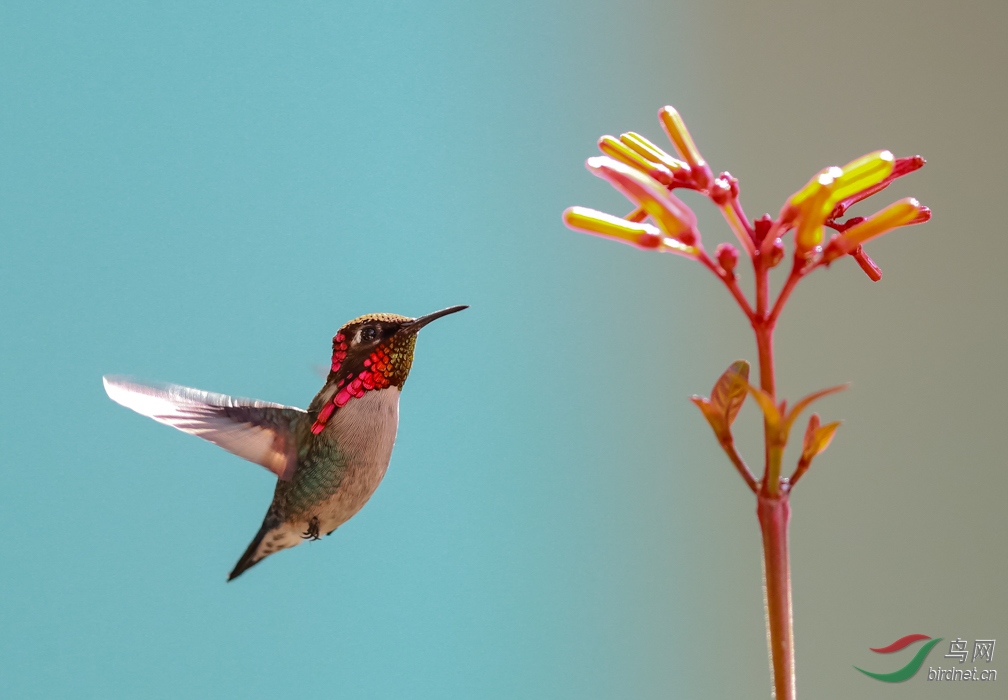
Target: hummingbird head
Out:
[370,352]
[376,351]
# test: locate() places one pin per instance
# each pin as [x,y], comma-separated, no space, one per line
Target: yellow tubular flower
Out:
[858,175]
[680,137]
[796,202]
[652,152]
[895,215]
[672,216]
[608,226]
[614,148]
[811,205]
[640,235]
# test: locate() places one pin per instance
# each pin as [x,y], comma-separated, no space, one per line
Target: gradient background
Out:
[204,195]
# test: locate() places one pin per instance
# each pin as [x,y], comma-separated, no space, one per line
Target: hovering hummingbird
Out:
[329,459]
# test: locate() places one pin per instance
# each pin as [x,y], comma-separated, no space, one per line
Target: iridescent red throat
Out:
[387,365]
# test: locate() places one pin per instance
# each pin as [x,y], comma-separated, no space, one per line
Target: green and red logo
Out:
[911,668]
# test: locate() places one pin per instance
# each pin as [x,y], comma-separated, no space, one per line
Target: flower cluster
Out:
[648,176]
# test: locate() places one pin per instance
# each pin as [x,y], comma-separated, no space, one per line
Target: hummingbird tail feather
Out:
[273,536]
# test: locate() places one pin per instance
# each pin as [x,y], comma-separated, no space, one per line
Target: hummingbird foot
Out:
[312,533]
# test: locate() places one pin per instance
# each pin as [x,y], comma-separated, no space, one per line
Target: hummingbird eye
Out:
[368,333]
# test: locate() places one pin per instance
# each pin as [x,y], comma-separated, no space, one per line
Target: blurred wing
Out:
[258,431]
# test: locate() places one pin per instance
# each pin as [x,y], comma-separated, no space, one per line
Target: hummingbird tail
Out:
[273,536]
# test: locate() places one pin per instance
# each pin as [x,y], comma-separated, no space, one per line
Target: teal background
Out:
[204,195]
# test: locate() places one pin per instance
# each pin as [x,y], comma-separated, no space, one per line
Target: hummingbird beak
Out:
[417,323]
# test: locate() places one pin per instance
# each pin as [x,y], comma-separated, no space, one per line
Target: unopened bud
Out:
[761,227]
[776,253]
[732,182]
[727,257]
[720,192]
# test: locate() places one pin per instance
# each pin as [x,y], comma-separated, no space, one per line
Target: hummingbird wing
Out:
[259,431]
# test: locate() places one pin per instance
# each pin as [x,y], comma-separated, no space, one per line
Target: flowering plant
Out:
[661,222]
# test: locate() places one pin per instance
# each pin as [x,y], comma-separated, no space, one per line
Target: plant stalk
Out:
[774,511]
[774,514]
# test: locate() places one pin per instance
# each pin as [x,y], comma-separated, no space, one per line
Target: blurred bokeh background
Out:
[204,194]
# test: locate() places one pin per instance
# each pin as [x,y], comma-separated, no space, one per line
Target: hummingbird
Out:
[330,458]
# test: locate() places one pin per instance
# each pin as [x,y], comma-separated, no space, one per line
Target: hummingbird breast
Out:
[364,432]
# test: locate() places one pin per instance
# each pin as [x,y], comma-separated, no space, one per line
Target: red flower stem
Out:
[774,514]
[729,281]
[762,287]
[797,272]
[729,447]
[773,508]
[803,465]
[763,326]
[637,215]
[737,206]
[764,346]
